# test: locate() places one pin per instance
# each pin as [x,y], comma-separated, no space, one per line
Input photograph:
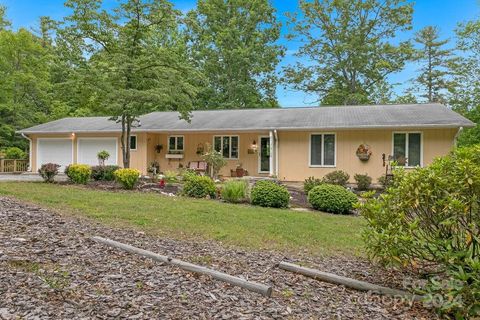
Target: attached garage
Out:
[88,148]
[55,150]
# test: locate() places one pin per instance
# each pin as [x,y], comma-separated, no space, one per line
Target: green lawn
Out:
[241,225]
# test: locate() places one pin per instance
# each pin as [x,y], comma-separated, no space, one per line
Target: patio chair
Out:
[198,166]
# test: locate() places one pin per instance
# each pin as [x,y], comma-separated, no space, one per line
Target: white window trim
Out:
[406,147]
[98,138]
[176,147]
[38,144]
[323,150]
[136,142]
[260,153]
[230,145]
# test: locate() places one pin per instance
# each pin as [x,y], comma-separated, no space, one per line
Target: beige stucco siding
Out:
[193,140]
[294,151]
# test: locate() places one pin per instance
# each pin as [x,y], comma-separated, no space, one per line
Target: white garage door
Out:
[88,148]
[57,151]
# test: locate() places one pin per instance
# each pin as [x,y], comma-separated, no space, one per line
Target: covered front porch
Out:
[255,152]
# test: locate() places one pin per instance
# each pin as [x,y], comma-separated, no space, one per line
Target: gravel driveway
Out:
[49,268]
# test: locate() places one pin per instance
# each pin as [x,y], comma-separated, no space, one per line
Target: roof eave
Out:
[139,130]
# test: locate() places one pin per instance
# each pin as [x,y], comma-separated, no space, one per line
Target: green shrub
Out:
[337,177]
[103,156]
[384,182]
[310,183]
[127,177]
[332,198]
[199,187]
[48,171]
[187,174]
[214,160]
[267,193]
[78,173]
[171,176]
[235,191]
[14,153]
[363,181]
[104,173]
[431,216]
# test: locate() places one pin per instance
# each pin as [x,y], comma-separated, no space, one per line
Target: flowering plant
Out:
[364,152]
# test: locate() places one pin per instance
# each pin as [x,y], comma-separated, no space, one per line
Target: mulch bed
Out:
[49,268]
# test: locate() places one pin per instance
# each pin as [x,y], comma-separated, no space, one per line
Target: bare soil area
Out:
[49,268]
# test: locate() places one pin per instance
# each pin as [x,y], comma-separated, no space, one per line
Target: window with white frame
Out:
[322,150]
[227,146]
[175,143]
[407,148]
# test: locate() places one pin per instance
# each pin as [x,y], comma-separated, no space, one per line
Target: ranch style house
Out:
[288,143]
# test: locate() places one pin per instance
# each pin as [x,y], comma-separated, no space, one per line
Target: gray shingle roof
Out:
[341,117]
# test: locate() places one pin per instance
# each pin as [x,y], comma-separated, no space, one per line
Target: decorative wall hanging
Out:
[364,152]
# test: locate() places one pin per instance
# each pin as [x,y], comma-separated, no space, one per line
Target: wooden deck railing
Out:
[13,165]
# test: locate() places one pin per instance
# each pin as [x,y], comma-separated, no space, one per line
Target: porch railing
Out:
[13,165]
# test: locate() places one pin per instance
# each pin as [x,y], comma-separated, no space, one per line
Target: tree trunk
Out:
[125,140]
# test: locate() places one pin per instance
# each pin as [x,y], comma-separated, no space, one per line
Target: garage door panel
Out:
[57,151]
[88,148]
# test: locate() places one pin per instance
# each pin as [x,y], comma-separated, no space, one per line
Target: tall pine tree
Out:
[435,60]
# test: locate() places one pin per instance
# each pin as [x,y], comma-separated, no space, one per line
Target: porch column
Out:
[270,158]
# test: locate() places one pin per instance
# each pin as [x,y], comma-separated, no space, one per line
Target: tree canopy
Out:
[144,55]
[233,44]
[347,48]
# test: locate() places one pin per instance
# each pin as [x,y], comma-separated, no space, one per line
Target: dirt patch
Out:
[49,268]
[298,197]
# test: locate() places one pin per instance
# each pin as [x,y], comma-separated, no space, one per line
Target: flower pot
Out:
[240,172]
[363,156]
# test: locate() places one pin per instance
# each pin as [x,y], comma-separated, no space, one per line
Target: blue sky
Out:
[443,13]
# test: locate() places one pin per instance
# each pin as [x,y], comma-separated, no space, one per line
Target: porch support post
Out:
[276,152]
[272,142]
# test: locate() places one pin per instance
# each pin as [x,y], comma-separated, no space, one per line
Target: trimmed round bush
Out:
[363,181]
[332,198]
[267,193]
[78,173]
[337,177]
[199,187]
[127,177]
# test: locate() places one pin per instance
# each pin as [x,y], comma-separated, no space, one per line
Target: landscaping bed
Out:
[49,268]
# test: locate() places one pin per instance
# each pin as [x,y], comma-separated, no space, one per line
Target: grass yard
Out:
[241,225]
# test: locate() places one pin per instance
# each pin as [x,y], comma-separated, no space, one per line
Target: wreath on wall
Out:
[364,152]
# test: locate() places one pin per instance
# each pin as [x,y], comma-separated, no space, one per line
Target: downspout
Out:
[29,151]
[276,151]
[455,139]
[270,158]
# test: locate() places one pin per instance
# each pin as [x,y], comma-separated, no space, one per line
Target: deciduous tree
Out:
[348,47]
[132,59]
[465,92]
[233,43]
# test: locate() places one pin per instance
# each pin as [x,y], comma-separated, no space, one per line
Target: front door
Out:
[264,155]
